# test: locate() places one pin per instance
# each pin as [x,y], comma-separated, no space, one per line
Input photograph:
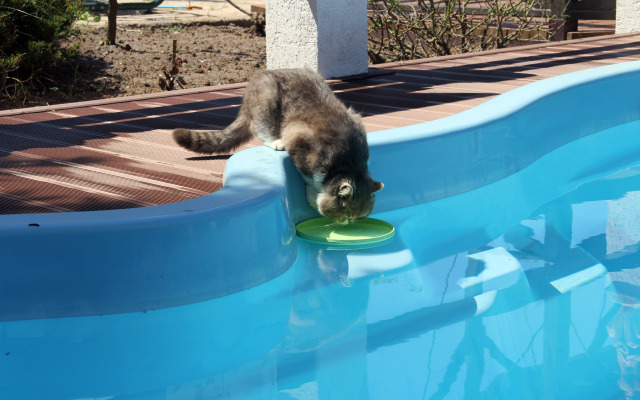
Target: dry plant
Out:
[169,76]
[404,30]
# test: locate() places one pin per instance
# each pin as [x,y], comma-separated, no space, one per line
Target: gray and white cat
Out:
[295,110]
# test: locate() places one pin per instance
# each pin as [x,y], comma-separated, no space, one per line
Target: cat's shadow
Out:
[213,157]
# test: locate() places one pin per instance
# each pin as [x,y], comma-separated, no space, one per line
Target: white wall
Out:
[627,16]
[329,36]
[292,34]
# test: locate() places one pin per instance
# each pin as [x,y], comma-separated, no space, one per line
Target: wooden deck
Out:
[118,153]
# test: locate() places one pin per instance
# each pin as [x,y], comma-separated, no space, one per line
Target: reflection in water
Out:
[324,349]
[468,326]
[625,331]
[472,350]
[623,261]
[616,246]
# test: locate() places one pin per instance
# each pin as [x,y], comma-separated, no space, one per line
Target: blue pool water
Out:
[516,278]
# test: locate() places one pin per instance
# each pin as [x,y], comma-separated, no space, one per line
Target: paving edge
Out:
[397,64]
[374,70]
[158,95]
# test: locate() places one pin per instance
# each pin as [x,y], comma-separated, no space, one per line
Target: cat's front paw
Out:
[277,145]
[312,197]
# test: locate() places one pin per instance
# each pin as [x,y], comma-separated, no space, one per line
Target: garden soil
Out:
[211,55]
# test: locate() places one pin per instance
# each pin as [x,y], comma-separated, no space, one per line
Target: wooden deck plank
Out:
[118,153]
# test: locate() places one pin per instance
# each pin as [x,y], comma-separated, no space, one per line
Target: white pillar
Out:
[627,16]
[329,36]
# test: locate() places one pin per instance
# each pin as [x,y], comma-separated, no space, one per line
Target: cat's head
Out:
[346,200]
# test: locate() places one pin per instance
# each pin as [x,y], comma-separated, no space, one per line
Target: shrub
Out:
[403,30]
[30,34]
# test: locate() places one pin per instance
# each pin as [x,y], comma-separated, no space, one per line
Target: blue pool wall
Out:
[449,156]
[105,262]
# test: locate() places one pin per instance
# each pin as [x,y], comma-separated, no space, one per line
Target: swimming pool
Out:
[514,273]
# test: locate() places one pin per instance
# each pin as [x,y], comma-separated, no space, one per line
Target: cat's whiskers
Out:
[334,226]
[338,226]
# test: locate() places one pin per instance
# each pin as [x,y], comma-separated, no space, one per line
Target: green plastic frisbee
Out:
[324,230]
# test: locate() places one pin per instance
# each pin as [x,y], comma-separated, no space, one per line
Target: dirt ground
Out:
[212,55]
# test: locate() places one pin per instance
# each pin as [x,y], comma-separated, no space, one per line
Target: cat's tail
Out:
[220,141]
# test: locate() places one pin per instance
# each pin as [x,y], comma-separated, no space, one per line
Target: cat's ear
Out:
[376,186]
[345,191]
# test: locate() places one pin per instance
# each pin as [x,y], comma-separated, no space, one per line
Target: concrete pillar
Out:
[627,16]
[329,36]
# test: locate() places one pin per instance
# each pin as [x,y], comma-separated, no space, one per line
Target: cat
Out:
[295,110]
